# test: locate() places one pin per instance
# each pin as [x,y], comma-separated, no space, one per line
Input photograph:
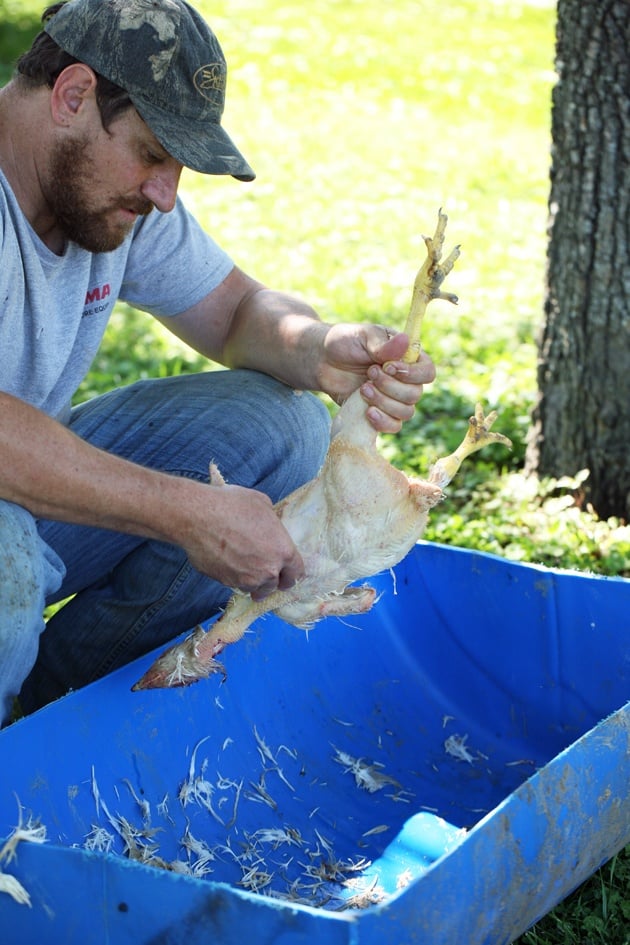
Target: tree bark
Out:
[582,415]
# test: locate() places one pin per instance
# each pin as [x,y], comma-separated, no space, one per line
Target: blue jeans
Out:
[132,594]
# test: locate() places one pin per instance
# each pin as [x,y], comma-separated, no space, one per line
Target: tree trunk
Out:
[582,416]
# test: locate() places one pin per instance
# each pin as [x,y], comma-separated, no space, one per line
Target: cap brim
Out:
[203,146]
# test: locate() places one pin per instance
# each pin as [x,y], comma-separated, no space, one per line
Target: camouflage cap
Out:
[168,60]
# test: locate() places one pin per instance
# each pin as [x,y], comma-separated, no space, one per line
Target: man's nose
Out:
[161,187]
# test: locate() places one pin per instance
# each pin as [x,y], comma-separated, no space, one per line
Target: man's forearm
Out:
[280,336]
[54,474]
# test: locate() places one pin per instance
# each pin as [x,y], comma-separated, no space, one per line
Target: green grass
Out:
[19,21]
[362,118]
[598,913]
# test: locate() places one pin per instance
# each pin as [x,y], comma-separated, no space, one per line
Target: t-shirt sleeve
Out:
[172,263]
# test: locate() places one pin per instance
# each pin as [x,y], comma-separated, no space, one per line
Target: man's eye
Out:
[152,158]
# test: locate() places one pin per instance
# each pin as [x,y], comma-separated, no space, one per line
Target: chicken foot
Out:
[358,517]
[477,436]
[427,284]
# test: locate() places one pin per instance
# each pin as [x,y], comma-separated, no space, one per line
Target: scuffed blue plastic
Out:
[486,700]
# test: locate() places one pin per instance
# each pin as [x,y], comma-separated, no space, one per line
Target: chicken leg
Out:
[358,517]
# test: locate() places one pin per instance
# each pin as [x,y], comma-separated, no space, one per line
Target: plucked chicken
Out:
[359,517]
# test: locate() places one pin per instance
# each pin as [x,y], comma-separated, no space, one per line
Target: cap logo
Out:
[209,79]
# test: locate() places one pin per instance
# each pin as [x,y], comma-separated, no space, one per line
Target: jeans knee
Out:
[313,422]
[20,568]
[319,420]
[28,571]
[291,441]
[266,435]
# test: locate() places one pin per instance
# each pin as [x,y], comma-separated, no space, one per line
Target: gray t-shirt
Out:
[54,309]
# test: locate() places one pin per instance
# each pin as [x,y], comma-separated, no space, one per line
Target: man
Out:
[108,502]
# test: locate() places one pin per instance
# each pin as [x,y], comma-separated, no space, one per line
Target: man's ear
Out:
[72,89]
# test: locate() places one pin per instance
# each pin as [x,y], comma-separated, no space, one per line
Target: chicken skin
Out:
[358,517]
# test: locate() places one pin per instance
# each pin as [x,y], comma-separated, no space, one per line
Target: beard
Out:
[81,220]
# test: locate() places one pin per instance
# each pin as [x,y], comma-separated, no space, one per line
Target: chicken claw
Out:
[477,436]
[427,284]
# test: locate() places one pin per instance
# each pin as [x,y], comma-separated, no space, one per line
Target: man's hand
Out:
[251,551]
[392,387]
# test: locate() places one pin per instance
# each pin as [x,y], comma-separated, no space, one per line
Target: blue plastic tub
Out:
[442,770]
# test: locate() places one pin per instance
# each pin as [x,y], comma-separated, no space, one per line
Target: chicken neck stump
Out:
[358,517]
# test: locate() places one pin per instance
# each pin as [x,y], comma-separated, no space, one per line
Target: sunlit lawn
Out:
[362,119]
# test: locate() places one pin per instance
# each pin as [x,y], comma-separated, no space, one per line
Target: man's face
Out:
[98,185]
